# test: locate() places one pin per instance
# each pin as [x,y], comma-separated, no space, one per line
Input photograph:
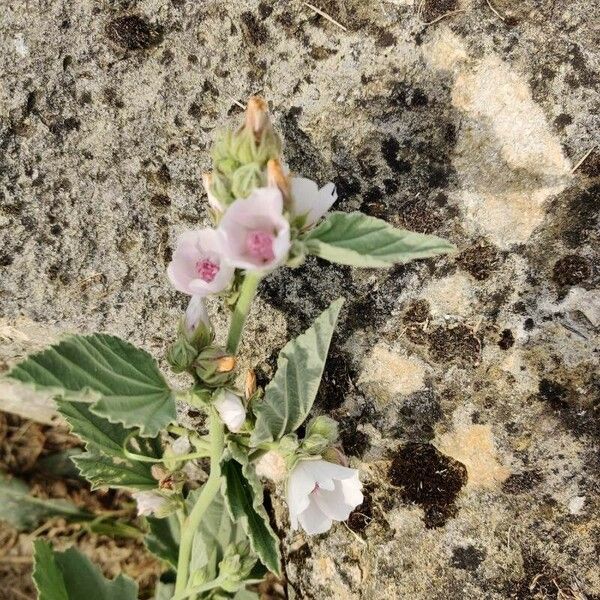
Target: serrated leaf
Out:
[96,432]
[290,395]
[124,381]
[163,538]
[105,471]
[243,494]
[24,511]
[105,456]
[359,240]
[70,575]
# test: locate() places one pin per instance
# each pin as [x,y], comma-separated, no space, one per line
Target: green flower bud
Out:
[221,189]
[315,444]
[321,432]
[199,577]
[246,179]
[214,366]
[181,355]
[324,426]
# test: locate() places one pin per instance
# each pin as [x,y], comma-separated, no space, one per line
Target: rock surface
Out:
[466,386]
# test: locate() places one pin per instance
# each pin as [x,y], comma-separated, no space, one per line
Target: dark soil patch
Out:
[430,479]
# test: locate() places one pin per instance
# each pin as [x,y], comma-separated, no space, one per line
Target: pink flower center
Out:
[207,269]
[259,245]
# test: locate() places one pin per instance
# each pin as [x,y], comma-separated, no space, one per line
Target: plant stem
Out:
[242,307]
[209,491]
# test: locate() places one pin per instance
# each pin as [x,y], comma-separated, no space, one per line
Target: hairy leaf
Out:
[24,511]
[244,497]
[105,456]
[123,381]
[104,471]
[163,538]
[290,395]
[70,575]
[217,530]
[358,240]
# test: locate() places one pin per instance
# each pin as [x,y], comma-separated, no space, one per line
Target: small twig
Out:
[494,10]
[448,14]
[354,534]
[236,102]
[583,159]
[325,15]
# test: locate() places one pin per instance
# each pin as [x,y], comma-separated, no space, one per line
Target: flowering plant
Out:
[215,538]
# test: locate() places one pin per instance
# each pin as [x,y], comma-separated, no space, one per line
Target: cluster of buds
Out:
[257,207]
[194,351]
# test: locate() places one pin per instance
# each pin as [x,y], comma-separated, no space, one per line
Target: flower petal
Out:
[300,484]
[311,201]
[332,503]
[313,520]
[231,410]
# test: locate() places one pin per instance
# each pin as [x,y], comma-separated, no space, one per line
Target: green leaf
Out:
[47,577]
[98,433]
[105,463]
[70,575]
[217,530]
[104,471]
[290,394]
[244,497]
[124,381]
[59,464]
[24,511]
[163,538]
[358,240]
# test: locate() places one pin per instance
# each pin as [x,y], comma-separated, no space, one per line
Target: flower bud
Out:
[196,324]
[181,355]
[321,432]
[257,116]
[250,384]
[230,409]
[152,502]
[245,180]
[324,426]
[336,456]
[214,366]
[277,178]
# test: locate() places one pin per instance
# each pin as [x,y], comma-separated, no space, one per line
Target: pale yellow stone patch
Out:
[444,50]
[473,445]
[497,94]
[391,373]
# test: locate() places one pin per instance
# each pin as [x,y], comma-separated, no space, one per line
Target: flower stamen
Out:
[207,269]
[259,245]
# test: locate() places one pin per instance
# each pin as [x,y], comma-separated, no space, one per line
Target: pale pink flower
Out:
[319,493]
[149,502]
[196,313]
[309,200]
[198,266]
[231,410]
[256,234]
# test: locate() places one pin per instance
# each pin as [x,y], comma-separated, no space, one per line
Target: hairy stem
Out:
[242,307]
[209,491]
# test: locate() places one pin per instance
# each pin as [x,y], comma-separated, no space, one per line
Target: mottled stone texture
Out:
[466,386]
